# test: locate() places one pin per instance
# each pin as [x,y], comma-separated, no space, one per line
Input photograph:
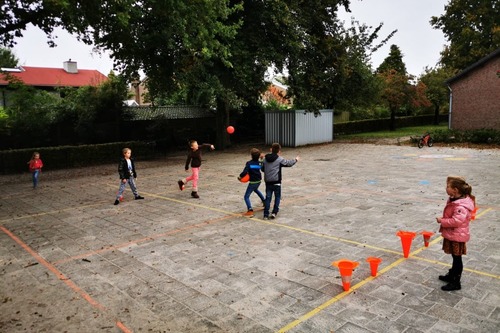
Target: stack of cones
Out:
[345,267]
[406,240]
[427,236]
[374,261]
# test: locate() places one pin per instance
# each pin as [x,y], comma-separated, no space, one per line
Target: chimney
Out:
[70,67]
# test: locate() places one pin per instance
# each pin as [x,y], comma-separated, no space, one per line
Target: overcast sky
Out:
[419,43]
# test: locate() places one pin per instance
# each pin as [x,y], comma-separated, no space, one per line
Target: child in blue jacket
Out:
[252,168]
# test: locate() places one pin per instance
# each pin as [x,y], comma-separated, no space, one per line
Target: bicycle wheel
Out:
[420,143]
[430,142]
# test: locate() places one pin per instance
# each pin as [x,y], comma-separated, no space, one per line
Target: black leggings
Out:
[457,266]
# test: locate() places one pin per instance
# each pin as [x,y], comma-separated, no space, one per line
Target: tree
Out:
[472,27]
[8,59]
[393,62]
[396,87]
[87,110]
[29,114]
[395,92]
[437,91]
[215,52]
[356,86]
[15,16]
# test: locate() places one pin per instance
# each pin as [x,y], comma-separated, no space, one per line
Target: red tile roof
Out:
[56,77]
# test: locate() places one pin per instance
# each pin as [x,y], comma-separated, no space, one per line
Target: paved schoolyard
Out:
[71,261]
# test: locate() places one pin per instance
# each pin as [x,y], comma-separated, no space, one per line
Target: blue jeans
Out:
[35,177]
[250,189]
[270,190]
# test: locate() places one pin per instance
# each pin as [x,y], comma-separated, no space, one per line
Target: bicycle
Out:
[425,139]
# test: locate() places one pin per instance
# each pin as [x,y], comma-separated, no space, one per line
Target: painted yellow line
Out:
[323,306]
[483,212]
[275,224]
[192,204]
[326,236]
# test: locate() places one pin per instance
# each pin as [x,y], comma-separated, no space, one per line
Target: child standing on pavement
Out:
[35,166]
[455,227]
[126,170]
[194,159]
[272,175]
[252,168]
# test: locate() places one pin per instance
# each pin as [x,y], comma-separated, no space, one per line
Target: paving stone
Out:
[173,263]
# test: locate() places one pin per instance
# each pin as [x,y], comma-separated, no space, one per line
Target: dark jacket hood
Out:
[271,157]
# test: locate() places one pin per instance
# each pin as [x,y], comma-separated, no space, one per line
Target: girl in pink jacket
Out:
[455,227]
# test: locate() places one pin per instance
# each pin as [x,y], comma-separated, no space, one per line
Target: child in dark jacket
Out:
[252,168]
[126,170]
[193,159]
[272,175]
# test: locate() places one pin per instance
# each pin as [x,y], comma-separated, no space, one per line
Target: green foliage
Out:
[8,59]
[35,116]
[481,136]
[29,114]
[402,131]
[394,61]
[273,105]
[437,91]
[374,112]
[84,108]
[472,30]
[3,121]
[14,161]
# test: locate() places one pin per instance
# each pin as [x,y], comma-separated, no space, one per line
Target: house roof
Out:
[475,65]
[55,77]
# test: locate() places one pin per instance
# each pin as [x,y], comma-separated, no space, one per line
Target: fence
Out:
[294,128]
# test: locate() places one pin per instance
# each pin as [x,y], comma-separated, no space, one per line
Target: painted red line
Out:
[62,277]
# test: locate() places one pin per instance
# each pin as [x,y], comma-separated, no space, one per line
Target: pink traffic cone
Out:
[406,239]
[374,261]
[427,236]
[345,267]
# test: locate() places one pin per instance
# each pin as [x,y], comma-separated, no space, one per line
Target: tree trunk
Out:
[392,125]
[436,114]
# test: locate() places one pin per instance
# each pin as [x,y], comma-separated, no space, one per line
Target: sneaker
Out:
[116,202]
[139,197]
[195,195]
[181,185]
[273,216]
[266,217]
[249,213]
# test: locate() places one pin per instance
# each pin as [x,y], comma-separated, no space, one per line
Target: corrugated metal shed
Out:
[294,128]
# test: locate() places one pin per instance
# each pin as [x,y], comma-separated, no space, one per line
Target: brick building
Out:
[475,95]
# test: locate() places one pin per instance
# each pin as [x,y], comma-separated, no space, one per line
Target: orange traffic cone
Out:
[473,215]
[345,267]
[427,236]
[406,239]
[374,261]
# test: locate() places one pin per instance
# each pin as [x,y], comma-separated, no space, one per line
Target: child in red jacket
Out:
[454,228]
[35,166]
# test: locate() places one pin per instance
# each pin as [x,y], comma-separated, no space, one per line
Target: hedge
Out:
[373,125]
[15,161]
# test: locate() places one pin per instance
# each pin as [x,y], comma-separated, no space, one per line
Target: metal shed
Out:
[294,128]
